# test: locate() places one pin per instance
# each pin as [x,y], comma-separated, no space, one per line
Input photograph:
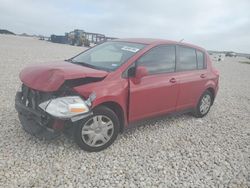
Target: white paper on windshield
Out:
[130,49]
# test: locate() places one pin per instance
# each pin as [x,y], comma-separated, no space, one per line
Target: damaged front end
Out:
[46,114]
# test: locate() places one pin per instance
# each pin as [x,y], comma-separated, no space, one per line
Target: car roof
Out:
[151,41]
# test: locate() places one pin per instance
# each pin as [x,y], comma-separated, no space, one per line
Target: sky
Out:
[212,24]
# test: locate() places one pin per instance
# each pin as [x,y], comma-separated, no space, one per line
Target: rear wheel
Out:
[204,104]
[98,131]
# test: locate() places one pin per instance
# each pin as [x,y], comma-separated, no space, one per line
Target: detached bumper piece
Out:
[34,121]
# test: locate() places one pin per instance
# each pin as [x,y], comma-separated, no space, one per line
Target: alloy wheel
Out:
[97,131]
[205,104]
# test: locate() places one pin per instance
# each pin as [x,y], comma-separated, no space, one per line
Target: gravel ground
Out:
[179,151]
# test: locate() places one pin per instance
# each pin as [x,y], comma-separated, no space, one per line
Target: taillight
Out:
[217,74]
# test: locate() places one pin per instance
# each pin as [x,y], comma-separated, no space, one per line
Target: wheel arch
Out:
[211,87]
[212,91]
[117,109]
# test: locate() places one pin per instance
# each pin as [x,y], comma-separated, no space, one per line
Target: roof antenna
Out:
[181,40]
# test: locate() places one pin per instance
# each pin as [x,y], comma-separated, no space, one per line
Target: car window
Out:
[187,59]
[159,59]
[108,53]
[200,59]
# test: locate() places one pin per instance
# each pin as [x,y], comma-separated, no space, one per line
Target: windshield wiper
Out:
[82,63]
[88,65]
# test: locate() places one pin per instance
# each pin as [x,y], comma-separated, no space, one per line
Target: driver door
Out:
[155,93]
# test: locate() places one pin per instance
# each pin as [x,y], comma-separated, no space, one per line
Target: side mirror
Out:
[141,72]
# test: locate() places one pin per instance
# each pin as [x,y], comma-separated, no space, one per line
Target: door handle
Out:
[172,80]
[203,76]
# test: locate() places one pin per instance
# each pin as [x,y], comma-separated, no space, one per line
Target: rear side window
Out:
[160,59]
[200,59]
[187,59]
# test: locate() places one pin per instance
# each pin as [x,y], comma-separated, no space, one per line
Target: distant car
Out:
[231,54]
[217,57]
[103,90]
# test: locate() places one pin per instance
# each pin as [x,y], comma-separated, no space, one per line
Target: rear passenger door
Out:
[191,76]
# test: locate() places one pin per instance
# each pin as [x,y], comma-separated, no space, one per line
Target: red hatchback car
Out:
[104,89]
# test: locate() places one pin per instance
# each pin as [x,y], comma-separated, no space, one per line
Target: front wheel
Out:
[204,104]
[97,132]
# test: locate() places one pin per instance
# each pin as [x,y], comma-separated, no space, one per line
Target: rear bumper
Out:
[35,122]
[216,89]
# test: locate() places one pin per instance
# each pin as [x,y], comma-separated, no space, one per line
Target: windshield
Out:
[108,56]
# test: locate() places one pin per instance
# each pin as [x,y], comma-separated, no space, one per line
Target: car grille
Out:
[32,98]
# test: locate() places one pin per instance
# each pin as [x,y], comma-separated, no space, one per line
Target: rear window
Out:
[200,59]
[187,59]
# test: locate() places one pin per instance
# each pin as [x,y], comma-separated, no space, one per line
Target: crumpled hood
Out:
[49,77]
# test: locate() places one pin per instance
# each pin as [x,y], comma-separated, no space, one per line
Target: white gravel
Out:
[179,151]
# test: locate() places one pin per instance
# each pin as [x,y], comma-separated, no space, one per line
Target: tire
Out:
[98,131]
[200,111]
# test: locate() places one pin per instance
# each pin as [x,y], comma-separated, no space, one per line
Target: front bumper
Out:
[34,121]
